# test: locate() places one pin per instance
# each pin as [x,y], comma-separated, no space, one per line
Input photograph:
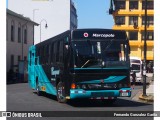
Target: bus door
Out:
[31,67]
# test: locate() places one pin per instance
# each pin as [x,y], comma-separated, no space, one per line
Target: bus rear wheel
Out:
[60,93]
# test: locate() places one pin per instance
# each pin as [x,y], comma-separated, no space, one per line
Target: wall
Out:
[15,48]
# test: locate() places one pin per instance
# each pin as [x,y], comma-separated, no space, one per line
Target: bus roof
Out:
[88,33]
[55,38]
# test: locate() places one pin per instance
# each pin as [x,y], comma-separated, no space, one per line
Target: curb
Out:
[148,98]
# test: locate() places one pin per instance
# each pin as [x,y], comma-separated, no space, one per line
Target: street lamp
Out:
[40,27]
[145,49]
[34,13]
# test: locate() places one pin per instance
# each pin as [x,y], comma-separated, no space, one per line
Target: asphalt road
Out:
[21,98]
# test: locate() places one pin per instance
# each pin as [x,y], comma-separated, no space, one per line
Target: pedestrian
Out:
[133,79]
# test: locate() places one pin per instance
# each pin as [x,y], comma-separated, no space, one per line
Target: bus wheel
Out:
[60,93]
[39,93]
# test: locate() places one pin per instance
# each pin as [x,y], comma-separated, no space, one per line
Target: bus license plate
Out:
[124,94]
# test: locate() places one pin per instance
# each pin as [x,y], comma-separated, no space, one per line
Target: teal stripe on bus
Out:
[110,79]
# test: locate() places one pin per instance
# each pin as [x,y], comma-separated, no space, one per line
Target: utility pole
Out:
[145,50]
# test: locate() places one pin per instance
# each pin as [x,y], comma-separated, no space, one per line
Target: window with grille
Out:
[133,35]
[19,33]
[149,36]
[133,20]
[149,5]
[12,31]
[150,20]
[133,4]
[120,5]
[25,35]
[120,20]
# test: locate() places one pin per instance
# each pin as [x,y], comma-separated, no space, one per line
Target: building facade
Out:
[129,15]
[20,36]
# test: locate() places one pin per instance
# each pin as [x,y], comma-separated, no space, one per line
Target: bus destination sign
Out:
[98,34]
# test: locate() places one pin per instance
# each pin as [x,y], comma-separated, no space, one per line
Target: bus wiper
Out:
[85,63]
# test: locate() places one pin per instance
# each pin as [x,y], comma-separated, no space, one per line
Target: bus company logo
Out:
[103,35]
[85,34]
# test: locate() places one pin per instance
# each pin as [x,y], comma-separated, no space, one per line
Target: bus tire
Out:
[60,93]
[39,93]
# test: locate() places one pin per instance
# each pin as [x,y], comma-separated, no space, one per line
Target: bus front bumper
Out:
[100,94]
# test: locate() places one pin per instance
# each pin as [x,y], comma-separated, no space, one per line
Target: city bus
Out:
[82,63]
[136,66]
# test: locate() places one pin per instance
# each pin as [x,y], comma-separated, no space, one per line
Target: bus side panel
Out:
[37,75]
[43,81]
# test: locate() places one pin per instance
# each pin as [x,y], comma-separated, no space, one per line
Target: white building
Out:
[20,35]
[59,15]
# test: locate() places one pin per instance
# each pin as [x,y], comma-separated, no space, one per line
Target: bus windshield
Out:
[99,53]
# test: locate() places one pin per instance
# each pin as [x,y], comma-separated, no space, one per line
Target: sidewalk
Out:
[149,90]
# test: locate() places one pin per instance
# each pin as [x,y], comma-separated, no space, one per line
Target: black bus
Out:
[83,63]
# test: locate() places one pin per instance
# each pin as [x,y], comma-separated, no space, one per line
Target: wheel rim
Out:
[60,92]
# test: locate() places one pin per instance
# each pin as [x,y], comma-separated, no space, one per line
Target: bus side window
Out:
[57,51]
[49,54]
[39,54]
[61,51]
[43,53]
[112,56]
[46,55]
[52,53]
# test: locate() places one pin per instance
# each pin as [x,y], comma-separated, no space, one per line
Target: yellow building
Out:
[129,16]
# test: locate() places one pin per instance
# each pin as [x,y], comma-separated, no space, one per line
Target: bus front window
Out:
[95,53]
[112,56]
